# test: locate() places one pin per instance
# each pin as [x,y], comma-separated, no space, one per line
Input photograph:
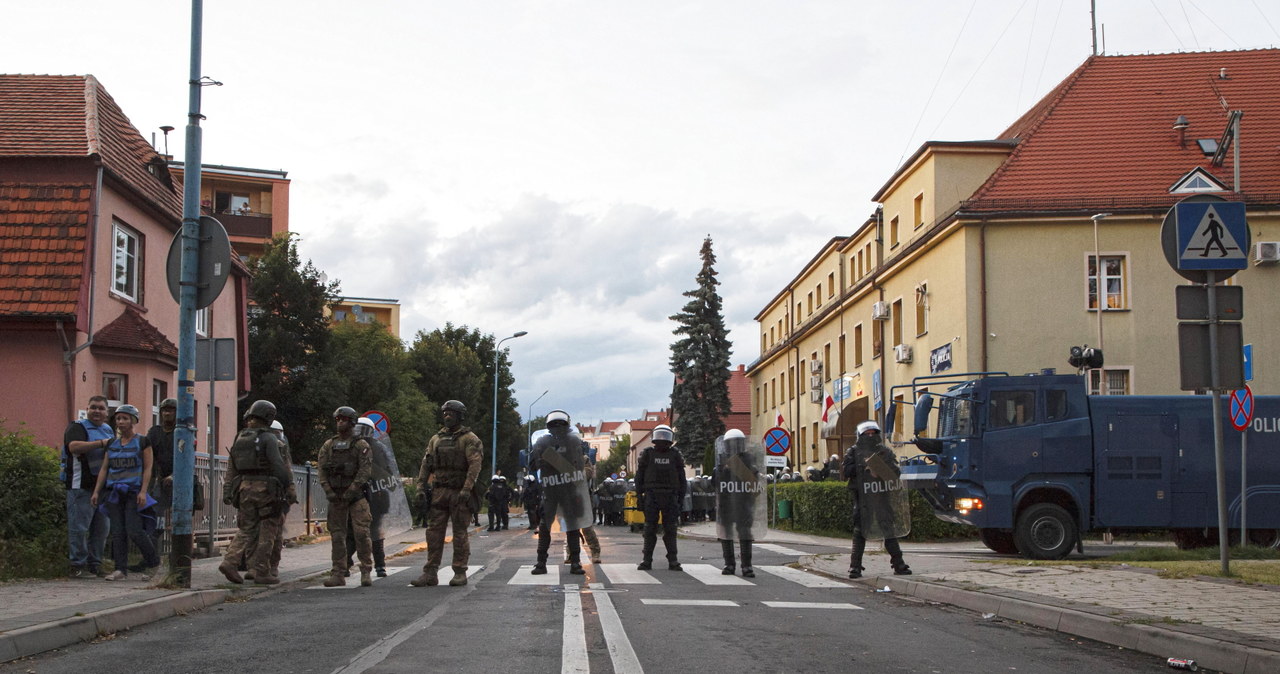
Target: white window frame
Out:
[1122,277]
[126,251]
[159,391]
[118,381]
[204,317]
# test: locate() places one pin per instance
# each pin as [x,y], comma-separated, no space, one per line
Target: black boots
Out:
[747,571]
[727,548]
[891,546]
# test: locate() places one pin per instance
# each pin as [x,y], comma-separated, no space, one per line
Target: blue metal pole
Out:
[184,460]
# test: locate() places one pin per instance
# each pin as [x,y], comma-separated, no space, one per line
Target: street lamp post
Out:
[494,437]
[529,419]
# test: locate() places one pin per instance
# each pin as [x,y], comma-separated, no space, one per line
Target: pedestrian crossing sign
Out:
[1212,235]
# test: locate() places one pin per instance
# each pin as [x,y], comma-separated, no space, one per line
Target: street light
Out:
[529,419]
[494,437]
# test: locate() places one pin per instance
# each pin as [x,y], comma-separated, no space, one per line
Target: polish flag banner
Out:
[780,421]
[826,410]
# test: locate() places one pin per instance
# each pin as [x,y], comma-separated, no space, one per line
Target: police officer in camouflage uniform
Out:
[255,484]
[345,464]
[451,465]
[660,487]
[290,497]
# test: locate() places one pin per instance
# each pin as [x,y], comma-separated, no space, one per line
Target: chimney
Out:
[1180,125]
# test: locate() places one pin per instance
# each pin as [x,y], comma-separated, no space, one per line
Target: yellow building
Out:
[366,310]
[981,254]
[252,204]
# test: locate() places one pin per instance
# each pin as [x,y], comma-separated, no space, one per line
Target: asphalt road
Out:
[611,619]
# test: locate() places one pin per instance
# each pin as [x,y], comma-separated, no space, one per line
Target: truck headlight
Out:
[964,505]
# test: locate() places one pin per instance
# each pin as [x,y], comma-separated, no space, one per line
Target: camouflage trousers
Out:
[448,505]
[339,511]
[260,527]
[274,561]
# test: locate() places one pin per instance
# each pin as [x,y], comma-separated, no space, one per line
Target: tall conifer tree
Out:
[700,362]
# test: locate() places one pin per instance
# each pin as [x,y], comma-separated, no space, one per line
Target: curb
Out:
[1207,652]
[35,639]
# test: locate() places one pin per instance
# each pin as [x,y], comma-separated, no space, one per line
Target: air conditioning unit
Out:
[1266,252]
[902,353]
[815,396]
[880,311]
[815,367]
[815,381]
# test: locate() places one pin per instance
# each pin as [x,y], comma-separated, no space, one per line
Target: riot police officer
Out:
[451,466]
[559,459]
[880,507]
[531,498]
[255,484]
[660,486]
[345,464]
[604,494]
[499,498]
[739,486]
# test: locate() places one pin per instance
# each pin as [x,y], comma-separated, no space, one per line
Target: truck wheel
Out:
[999,541]
[1045,531]
[1266,538]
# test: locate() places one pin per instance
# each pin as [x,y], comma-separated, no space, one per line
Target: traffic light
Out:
[1085,357]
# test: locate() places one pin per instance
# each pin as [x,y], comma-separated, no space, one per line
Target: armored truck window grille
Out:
[954,417]
[1055,405]
[1134,468]
[1113,282]
[126,263]
[1012,408]
[1117,382]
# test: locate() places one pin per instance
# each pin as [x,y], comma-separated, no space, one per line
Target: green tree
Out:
[33,515]
[617,459]
[288,341]
[700,362]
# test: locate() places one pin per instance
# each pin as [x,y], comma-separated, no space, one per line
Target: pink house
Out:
[87,212]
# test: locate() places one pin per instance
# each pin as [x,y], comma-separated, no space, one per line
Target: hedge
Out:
[823,508]
[33,513]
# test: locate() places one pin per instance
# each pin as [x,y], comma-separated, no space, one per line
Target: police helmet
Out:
[454,406]
[734,434]
[784,477]
[770,478]
[347,412]
[663,433]
[262,409]
[868,426]
[130,410]
[558,416]
[365,427]
[502,478]
[277,426]
[169,402]
[496,478]
[608,480]
[833,457]
[528,478]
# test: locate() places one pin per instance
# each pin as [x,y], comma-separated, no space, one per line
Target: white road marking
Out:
[524,577]
[780,549]
[809,604]
[626,574]
[801,577]
[620,650]
[710,575]
[688,602]
[354,580]
[573,651]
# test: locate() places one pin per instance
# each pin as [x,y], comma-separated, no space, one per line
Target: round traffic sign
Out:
[777,441]
[1241,408]
[380,421]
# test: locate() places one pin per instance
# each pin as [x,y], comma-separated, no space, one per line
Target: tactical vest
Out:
[449,460]
[342,465]
[661,473]
[246,452]
[124,463]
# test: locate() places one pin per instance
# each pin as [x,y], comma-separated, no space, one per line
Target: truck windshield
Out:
[955,417]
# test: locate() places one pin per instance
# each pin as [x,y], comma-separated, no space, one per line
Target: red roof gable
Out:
[73,116]
[133,332]
[609,426]
[42,245]
[1104,137]
[739,390]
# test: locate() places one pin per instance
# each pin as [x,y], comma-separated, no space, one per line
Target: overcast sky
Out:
[554,166]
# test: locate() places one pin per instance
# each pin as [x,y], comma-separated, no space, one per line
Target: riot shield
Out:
[884,509]
[738,481]
[565,492]
[385,494]
[619,502]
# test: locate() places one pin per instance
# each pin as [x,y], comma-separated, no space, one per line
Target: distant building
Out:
[252,204]
[366,310]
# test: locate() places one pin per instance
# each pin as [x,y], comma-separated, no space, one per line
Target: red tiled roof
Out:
[609,426]
[42,244]
[133,332]
[73,116]
[1105,137]
[644,425]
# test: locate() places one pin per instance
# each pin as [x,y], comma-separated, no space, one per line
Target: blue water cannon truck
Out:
[1033,461]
